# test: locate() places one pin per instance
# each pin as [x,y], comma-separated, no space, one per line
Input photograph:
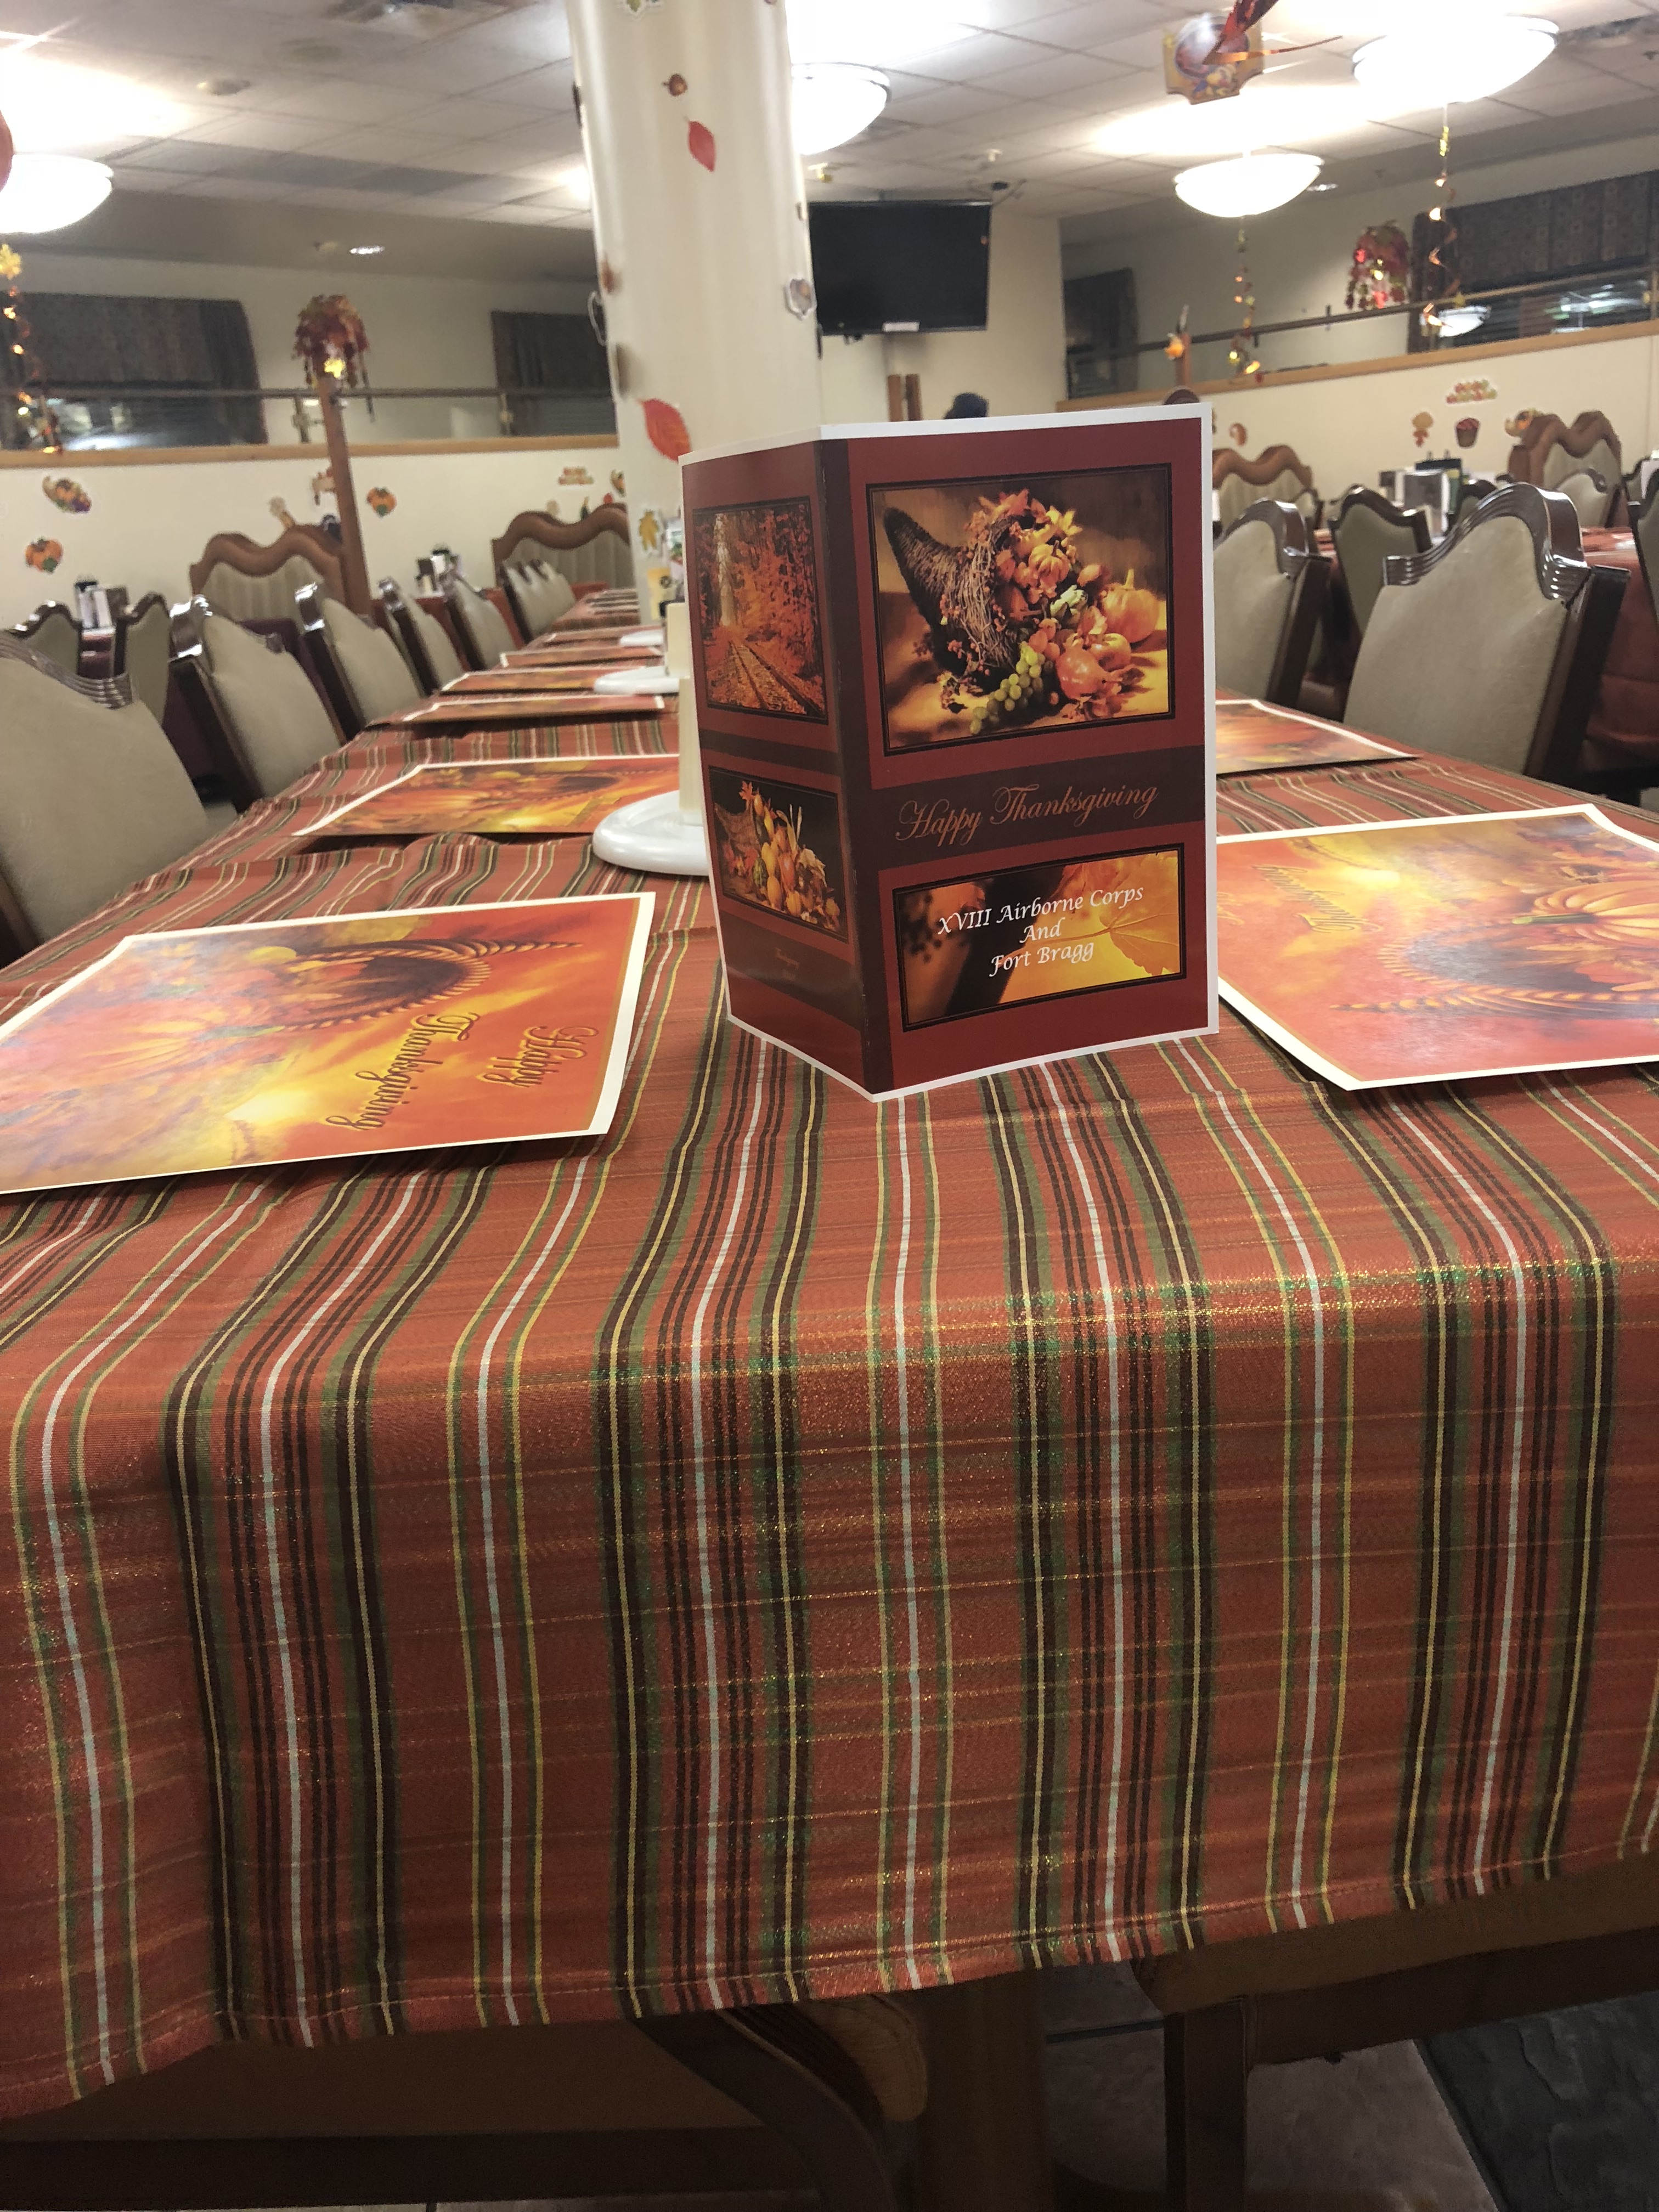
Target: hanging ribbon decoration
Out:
[1444,284]
[23,375]
[1242,356]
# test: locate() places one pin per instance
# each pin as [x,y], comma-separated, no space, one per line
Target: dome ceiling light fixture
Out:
[58,107]
[49,191]
[1444,60]
[1249,186]
[833,102]
[1458,322]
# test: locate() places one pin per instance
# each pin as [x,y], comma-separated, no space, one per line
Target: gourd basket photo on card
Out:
[953,693]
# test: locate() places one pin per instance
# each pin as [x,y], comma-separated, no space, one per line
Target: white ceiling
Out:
[467,116]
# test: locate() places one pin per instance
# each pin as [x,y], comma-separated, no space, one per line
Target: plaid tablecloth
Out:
[797,1546]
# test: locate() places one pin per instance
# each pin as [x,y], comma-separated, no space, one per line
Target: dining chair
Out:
[92,797]
[759,2099]
[1276,472]
[364,675]
[539,595]
[1368,530]
[1644,522]
[483,633]
[52,632]
[428,647]
[1548,448]
[1591,497]
[143,650]
[262,719]
[243,579]
[594,549]
[1270,585]
[1322,1990]
[1490,648]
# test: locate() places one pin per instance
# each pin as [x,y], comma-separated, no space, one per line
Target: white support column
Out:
[700,226]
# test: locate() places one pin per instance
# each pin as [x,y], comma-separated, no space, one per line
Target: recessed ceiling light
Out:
[223,88]
[363,253]
[1263,114]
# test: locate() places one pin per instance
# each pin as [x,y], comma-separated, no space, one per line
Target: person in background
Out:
[966,405]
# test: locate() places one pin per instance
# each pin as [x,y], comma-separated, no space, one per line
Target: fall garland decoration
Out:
[1442,278]
[1242,360]
[1380,273]
[330,340]
[25,376]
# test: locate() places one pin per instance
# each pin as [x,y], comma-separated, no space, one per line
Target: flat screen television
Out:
[900,265]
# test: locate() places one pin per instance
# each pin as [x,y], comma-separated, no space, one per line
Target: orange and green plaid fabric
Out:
[796,1545]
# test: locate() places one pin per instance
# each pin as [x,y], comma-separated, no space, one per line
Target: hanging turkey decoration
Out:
[330,340]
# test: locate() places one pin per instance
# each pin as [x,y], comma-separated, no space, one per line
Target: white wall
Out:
[1349,429]
[1018,362]
[149,520]
[422,330]
[1299,256]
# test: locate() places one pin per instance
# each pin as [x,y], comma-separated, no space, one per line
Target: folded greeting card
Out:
[1420,951]
[190,1050]
[955,723]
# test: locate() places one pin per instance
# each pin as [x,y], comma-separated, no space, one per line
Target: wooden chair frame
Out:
[558,537]
[1272,461]
[190,668]
[520,613]
[1309,573]
[820,2128]
[25,631]
[18,935]
[249,559]
[1545,432]
[405,628]
[1591,595]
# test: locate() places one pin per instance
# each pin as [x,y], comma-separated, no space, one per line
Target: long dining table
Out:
[799,1546]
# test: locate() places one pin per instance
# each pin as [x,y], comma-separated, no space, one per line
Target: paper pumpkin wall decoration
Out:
[1469,390]
[665,426]
[1421,426]
[700,144]
[381,500]
[576,474]
[63,492]
[1379,269]
[1467,430]
[45,554]
[330,340]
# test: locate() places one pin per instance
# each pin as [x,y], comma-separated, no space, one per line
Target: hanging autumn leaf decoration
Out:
[700,143]
[665,426]
[1379,275]
[331,341]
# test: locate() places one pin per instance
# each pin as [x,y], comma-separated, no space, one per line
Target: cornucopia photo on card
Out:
[1009,606]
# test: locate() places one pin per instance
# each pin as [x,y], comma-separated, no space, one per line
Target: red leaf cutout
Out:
[700,141]
[665,426]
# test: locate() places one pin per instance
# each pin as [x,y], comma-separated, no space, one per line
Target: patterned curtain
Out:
[200,345]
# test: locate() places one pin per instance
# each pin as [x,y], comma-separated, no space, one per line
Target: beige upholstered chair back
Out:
[275,721]
[604,559]
[1237,493]
[486,632]
[442,656]
[1252,606]
[1461,661]
[91,798]
[256,599]
[1367,530]
[1590,492]
[1559,465]
[374,673]
[541,594]
[143,649]
[53,633]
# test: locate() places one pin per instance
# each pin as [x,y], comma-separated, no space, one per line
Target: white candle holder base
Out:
[654,835]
